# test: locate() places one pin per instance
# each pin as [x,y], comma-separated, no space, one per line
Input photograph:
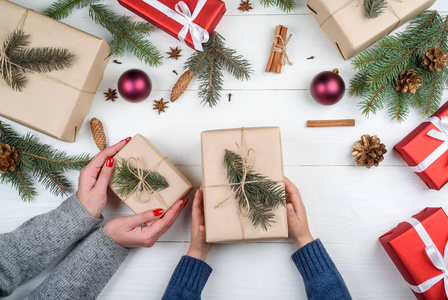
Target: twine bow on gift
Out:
[440,134]
[439,261]
[281,48]
[143,187]
[183,15]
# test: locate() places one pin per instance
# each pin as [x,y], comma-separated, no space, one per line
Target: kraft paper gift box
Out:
[418,249]
[349,29]
[171,16]
[57,102]
[225,223]
[425,149]
[150,158]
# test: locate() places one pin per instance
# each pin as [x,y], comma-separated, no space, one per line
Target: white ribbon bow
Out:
[439,261]
[440,134]
[183,15]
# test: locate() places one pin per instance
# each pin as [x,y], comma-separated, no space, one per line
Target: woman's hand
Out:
[94,179]
[297,220]
[127,231]
[198,247]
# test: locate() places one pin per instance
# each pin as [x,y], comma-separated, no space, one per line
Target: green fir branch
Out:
[374,8]
[54,181]
[127,35]
[285,5]
[61,9]
[20,181]
[259,196]
[126,180]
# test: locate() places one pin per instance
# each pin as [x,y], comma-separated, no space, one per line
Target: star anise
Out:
[160,105]
[245,5]
[111,95]
[174,53]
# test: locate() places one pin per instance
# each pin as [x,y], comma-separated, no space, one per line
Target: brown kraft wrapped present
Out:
[224,220]
[348,28]
[57,102]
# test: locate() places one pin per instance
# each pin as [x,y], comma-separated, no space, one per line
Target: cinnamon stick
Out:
[279,64]
[330,123]
[271,57]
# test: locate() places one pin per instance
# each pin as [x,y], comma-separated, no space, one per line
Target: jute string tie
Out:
[281,48]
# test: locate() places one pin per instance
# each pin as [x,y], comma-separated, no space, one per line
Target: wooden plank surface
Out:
[348,207]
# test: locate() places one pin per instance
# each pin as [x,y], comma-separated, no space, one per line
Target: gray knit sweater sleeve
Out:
[37,243]
[85,271]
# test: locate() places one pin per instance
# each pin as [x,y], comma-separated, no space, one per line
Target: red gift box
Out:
[426,149]
[417,249]
[173,17]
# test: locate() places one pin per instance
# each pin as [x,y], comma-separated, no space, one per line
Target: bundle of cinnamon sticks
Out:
[275,59]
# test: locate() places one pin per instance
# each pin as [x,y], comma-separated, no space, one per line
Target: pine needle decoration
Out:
[127,35]
[126,180]
[209,64]
[61,9]
[259,195]
[374,8]
[379,67]
[37,161]
[18,60]
[285,5]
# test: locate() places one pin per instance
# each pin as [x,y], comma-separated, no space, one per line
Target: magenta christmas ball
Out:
[134,85]
[327,88]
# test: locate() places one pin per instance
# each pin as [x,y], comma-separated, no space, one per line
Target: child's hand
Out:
[127,232]
[297,221]
[198,247]
[94,179]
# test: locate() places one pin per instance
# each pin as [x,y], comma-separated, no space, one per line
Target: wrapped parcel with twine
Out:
[144,179]
[235,163]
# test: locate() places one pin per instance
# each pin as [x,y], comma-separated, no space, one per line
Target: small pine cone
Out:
[181,85]
[408,81]
[98,133]
[9,156]
[435,59]
[369,151]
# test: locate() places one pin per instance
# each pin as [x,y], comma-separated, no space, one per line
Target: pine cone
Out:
[8,158]
[408,81]
[435,59]
[181,85]
[369,151]
[98,133]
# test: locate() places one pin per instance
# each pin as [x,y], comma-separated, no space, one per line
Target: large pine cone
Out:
[408,81]
[369,151]
[181,85]
[8,158]
[435,59]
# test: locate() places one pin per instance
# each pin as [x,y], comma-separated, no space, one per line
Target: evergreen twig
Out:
[374,8]
[38,161]
[285,5]
[258,196]
[61,9]
[209,64]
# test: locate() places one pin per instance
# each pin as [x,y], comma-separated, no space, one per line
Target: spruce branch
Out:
[38,161]
[126,180]
[127,35]
[258,196]
[285,5]
[61,9]
[209,65]
[374,8]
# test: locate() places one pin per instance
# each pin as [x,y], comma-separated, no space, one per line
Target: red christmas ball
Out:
[134,85]
[327,88]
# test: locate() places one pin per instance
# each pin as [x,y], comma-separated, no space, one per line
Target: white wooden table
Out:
[348,207]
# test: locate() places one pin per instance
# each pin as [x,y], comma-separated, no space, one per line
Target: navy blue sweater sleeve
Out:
[320,275]
[188,280]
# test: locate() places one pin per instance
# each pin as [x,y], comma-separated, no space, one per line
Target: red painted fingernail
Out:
[128,139]
[184,203]
[157,212]
[110,162]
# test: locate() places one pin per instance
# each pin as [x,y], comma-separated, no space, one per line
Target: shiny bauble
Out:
[327,88]
[134,85]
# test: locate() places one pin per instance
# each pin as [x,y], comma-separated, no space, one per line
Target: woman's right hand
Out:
[299,230]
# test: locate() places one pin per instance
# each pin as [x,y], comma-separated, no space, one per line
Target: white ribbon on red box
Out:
[440,134]
[439,261]
[183,15]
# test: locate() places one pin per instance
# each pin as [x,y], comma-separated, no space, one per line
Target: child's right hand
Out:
[297,220]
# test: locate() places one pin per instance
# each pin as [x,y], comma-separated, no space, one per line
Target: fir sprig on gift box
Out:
[381,79]
[127,34]
[24,158]
[374,8]
[259,195]
[285,5]
[15,59]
